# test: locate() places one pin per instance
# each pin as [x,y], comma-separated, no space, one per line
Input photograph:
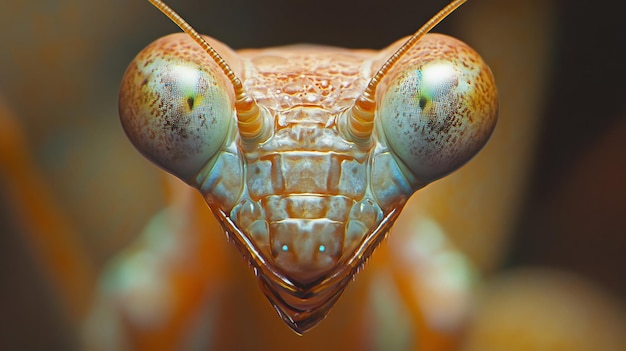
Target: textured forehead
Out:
[306,75]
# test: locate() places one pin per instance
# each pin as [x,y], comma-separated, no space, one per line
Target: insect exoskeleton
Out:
[307,184]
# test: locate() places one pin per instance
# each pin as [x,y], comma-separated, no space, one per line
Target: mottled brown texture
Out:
[300,75]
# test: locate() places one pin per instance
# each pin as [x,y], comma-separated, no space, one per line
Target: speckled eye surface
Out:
[438,107]
[175,105]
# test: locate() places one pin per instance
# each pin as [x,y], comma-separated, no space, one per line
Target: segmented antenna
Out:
[361,115]
[250,121]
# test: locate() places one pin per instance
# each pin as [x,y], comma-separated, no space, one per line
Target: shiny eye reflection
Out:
[438,78]
[187,76]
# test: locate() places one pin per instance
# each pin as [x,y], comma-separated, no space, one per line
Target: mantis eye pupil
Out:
[190,101]
[423,101]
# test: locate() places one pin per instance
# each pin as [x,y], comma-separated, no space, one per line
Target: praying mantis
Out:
[313,175]
[182,199]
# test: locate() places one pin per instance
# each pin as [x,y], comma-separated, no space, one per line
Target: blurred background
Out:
[61,62]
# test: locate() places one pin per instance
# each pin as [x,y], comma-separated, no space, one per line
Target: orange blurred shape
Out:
[541,309]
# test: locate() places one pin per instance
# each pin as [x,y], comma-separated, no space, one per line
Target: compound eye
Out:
[175,109]
[439,108]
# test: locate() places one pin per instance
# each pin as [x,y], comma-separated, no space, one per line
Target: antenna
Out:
[361,115]
[250,121]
